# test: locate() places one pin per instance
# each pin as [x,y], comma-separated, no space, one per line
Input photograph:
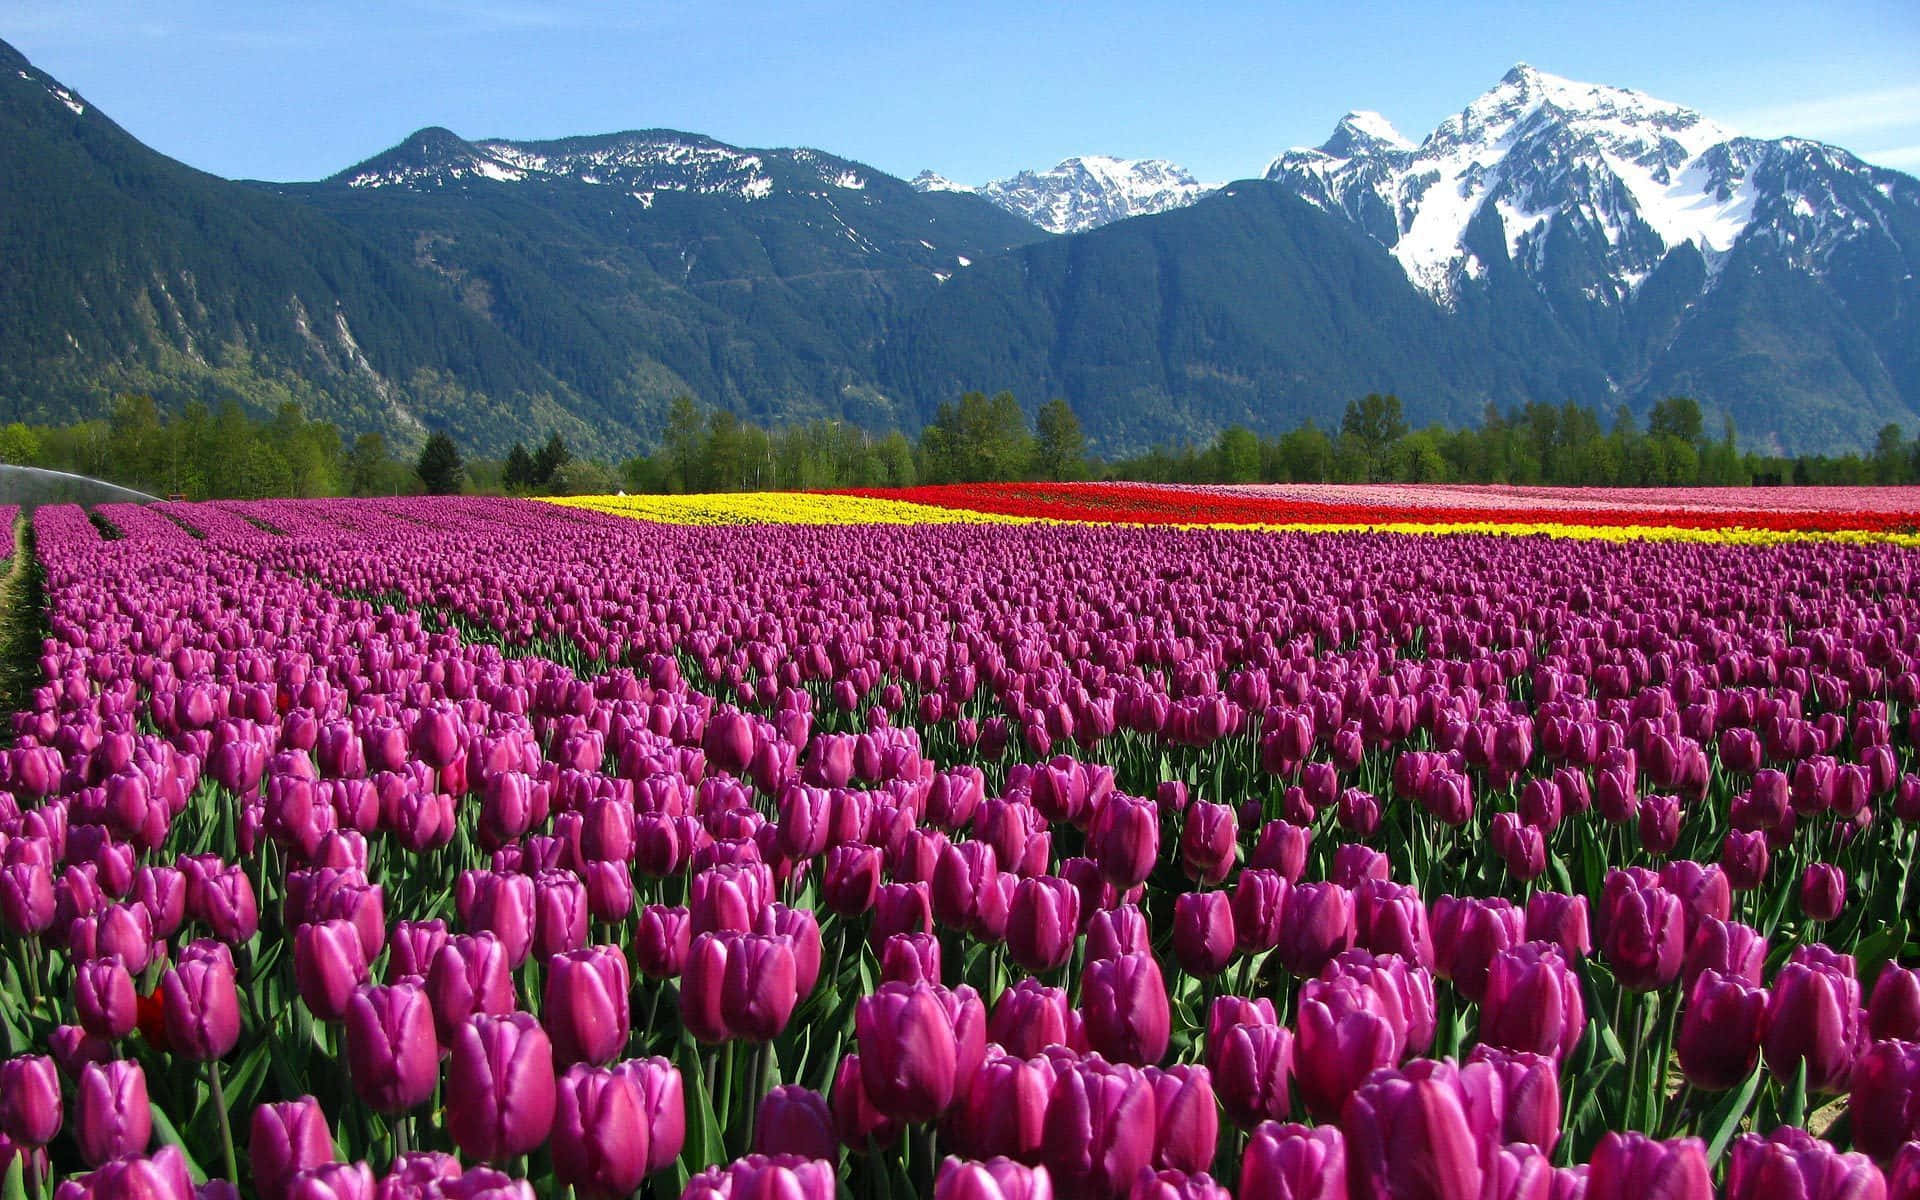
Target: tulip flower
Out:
[1186,1117]
[1203,936]
[1251,1065]
[758,1175]
[1643,936]
[1893,1010]
[662,1106]
[1744,858]
[1729,947]
[1719,1039]
[1124,1006]
[29,1099]
[1390,918]
[1813,1017]
[1259,899]
[393,1053]
[1281,847]
[738,985]
[103,996]
[468,975]
[286,1138]
[850,880]
[1417,1134]
[111,1114]
[1759,1168]
[900,908]
[202,1002]
[1124,840]
[1294,1162]
[794,1120]
[586,1005]
[1883,1100]
[1317,924]
[1629,1166]
[500,1090]
[1029,1017]
[1004,1112]
[1530,1095]
[600,1135]
[1532,1002]
[1100,1128]
[1344,1034]
[1114,931]
[1823,891]
[1209,841]
[995,1179]
[910,1051]
[1467,933]
[1903,1178]
[1042,921]
[328,964]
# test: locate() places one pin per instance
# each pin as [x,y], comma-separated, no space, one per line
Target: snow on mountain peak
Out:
[1538,148]
[1363,131]
[932,181]
[1091,190]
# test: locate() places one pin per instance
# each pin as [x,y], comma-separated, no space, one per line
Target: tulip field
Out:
[1006,841]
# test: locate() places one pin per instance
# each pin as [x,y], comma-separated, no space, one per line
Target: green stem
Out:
[226,1123]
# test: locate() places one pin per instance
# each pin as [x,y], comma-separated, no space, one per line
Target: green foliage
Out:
[1373,425]
[440,469]
[518,471]
[1060,449]
[977,438]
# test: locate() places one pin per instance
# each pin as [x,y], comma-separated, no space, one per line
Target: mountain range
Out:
[1553,241]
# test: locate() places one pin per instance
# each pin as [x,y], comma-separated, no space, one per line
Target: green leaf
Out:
[1795,1112]
[164,1130]
[14,1186]
[1873,952]
[704,1145]
[1724,1121]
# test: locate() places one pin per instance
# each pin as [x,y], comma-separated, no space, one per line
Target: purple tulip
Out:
[103,997]
[764,1177]
[1792,1162]
[1390,918]
[469,975]
[1823,891]
[1719,1039]
[500,1090]
[111,1114]
[1893,1010]
[1209,841]
[1467,933]
[1042,922]
[1251,1066]
[1732,949]
[1530,1095]
[1030,1016]
[794,1120]
[1186,1117]
[1418,1134]
[1294,1162]
[1318,923]
[1259,902]
[201,1001]
[1532,1002]
[1631,1166]
[1884,1099]
[1203,936]
[1344,1034]
[1124,839]
[286,1138]
[1005,1110]
[1643,933]
[328,964]
[29,1099]
[600,1135]
[393,1053]
[1123,1003]
[1100,1128]
[1119,930]
[1813,1017]
[586,1005]
[911,1051]
[993,1179]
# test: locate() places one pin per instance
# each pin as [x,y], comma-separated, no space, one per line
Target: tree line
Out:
[202,454]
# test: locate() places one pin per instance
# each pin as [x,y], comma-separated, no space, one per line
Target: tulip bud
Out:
[1042,921]
[1823,891]
[1119,930]
[29,1100]
[1030,1016]
[1417,1132]
[1467,934]
[1100,1128]
[103,996]
[600,1142]
[1124,840]
[1186,1117]
[500,1089]
[994,1179]
[794,1120]
[759,1175]
[856,1119]
[1884,1100]
[1561,919]
[1813,1016]
[1251,1067]
[1344,1033]
[1317,925]
[1294,1162]
[910,1053]
[1530,1095]
[1124,1006]
[1209,840]
[1392,919]
[910,958]
[1893,1011]
[328,963]
[1627,1166]
[1532,1002]
[1203,936]
[392,1051]
[1644,934]
[287,1138]
[202,1002]
[1758,1168]
[112,1117]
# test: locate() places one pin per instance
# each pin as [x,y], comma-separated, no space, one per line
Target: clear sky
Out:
[273,90]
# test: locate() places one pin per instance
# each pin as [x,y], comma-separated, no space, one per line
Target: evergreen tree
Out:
[518,472]
[366,465]
[550,458]
[1373,425]
[1060,452]
[440,469]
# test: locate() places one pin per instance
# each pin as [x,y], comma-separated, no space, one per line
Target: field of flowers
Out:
[967,844]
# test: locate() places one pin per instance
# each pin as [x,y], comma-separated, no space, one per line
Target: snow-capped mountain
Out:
[639,163]
[1086,192]
[1607,175]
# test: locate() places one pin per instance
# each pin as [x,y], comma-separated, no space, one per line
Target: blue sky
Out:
[973,90]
